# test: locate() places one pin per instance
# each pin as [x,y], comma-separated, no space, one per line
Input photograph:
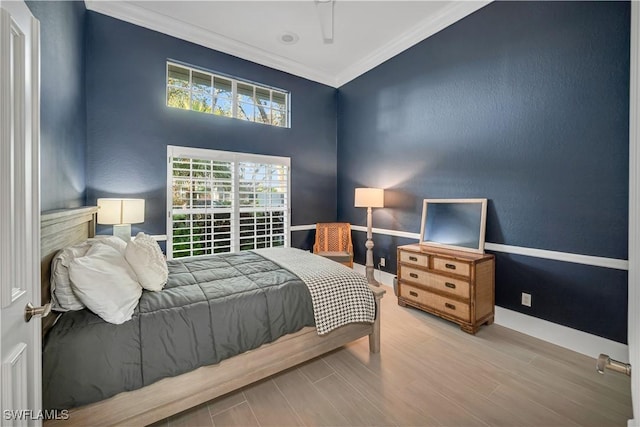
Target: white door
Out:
[20,343]
[634,214]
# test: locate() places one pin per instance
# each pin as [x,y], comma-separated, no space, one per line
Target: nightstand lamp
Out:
[369,198]
[121,213]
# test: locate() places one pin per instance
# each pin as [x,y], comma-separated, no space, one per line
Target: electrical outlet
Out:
[526,299]
[383,263]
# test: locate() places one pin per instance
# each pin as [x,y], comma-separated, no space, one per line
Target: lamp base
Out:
[122,231]
[369,258]
[369,268]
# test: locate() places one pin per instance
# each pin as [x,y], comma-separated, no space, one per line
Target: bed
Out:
[170,395]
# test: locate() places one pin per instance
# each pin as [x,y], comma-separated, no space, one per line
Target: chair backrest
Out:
[333,236]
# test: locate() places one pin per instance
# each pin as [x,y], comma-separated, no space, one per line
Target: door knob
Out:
[31,311]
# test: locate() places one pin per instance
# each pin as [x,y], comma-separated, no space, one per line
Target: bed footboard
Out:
[374,336]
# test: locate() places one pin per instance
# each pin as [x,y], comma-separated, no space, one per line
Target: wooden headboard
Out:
[59,229]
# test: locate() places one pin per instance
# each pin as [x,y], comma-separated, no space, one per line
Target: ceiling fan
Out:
[325,15]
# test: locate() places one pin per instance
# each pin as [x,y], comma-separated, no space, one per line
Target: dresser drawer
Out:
[421,260]
[451,307]
[451,286]
[414,294]
[413,275]
[451,266]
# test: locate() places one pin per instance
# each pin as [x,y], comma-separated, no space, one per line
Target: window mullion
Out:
[255,103]
[287,112]
[235,206]
[190,88]
[234,99]
[208,232]
[270,107]
[170,187]
[286,214]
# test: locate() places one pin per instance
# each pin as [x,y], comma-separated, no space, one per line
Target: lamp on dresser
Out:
[121,213]
[369,198]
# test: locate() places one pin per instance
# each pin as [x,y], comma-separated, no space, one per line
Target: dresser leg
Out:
[489,321]
[401,303]
[468,329]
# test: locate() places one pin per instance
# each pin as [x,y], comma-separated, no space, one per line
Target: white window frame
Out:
[235,158]
[234,93]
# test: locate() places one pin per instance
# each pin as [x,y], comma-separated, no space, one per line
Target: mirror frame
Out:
[483,224]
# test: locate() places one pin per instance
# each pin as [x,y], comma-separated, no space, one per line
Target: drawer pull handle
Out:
[450,266]
[414,275]
[450,306]
[413,294]
[413,258]
[450,285]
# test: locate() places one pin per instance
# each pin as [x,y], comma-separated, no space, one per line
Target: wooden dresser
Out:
[455,285]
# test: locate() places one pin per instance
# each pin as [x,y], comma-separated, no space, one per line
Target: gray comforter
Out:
[211,308]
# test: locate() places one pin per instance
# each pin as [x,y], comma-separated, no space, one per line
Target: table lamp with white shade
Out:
[121,213]
[369,198]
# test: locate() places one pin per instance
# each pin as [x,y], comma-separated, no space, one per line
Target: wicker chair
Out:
[333,241]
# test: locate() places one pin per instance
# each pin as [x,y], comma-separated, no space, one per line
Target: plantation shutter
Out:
[224,202]
[262,190]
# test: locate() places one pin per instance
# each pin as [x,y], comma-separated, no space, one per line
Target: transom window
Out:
[192,89]
[220,201]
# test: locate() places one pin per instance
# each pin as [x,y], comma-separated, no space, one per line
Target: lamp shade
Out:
[120,211]
[369,198]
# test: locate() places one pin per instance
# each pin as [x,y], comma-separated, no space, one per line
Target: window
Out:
[219,201]
[193,89]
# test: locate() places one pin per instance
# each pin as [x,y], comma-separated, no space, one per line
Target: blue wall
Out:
[129,124]
[526,104]
[63,103]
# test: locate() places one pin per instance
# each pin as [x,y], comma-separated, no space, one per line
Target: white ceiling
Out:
[365,33]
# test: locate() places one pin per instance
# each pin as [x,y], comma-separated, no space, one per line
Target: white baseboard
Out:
[563,336]
[383,277]
[573,339]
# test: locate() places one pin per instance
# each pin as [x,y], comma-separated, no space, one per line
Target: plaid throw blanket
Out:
[339,295]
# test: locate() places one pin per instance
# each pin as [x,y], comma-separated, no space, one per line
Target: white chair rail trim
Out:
[618,264]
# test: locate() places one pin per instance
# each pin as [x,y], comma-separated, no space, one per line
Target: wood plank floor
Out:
[429,373]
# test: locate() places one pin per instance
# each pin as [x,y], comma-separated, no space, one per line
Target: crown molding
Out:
[136,15]
[173,27]
[447,16]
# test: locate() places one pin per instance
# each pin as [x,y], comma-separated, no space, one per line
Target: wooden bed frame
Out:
[172,395]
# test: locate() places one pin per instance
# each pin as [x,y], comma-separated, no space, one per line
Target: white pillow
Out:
[146,259]
[105,283]
[62,296]
[113,241]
